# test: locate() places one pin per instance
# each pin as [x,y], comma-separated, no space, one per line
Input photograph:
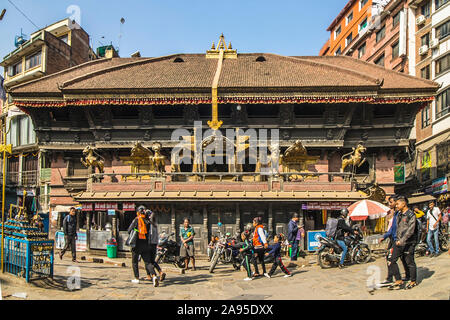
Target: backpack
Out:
[331,227]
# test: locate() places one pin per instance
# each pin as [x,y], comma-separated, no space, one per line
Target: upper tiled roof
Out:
[195,73]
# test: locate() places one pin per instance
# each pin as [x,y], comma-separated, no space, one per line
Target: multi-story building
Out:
[112,127]
[373,31]
[430,59]
[59,46]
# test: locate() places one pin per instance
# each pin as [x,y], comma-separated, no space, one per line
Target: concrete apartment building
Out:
[59,46]
[429,36]
[410,36]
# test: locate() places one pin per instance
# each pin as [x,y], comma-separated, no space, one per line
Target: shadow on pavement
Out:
[58,283]
[423,273]
[187,280]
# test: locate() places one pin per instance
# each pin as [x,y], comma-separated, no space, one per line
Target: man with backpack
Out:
[433,219]
[406,240]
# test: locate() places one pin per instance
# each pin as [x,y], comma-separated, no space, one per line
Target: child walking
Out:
[275,251]
[247,252]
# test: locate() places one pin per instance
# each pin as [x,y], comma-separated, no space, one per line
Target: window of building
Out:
[363,25]
[381,33]
[338,52]
[443,64]
[349,39]
[362,3]
[425,72]
[15,69]
[337,32]
[395,50]
[65,38]
[349,18]
[21,132]
[443,30]
[426,117]
[380,61]
[443,103]
[440,3]
[33,61]
[425,40]
[362,51]
[396,19]
[425,9]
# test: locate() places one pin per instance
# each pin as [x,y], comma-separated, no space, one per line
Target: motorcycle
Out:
[225,252]
[422,246]
[329,253]
[168,251]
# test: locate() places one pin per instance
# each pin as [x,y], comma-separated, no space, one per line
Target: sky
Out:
[162,27]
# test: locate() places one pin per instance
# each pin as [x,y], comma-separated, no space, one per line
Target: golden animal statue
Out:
[92,159]
[376,193]
[158,160]
[355,160]
[296,159]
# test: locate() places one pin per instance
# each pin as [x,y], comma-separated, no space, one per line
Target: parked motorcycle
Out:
[226,253]
[422,246]
[329,253]
[168,251]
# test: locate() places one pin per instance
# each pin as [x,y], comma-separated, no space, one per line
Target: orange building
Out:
[352,20]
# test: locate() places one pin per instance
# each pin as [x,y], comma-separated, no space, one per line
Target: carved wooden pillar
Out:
[205,233]
[270,222]
[173,220]
[238,218]
[88,230]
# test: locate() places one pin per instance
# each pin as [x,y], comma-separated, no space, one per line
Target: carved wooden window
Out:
[75,168]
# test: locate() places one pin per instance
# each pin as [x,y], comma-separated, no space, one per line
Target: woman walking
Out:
[142,246]
[260,244]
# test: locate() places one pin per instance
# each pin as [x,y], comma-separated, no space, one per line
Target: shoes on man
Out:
[248,279]
[341,266]
[405,279]
[162,276]
[155,281]
[135,281]
[287,275]
[267,275]
[386,283]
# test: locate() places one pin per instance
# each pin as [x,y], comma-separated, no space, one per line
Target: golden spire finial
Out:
[229,46]
[213,47]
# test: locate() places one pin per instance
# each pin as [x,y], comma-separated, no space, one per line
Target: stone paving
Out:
[110,282]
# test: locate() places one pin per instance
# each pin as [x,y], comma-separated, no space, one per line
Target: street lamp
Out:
[4,148]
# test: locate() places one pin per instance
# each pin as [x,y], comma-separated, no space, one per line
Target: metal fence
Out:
[29,259]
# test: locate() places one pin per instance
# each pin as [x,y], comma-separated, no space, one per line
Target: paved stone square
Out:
[102,281]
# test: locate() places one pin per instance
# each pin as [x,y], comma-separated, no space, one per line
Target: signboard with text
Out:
[440,185]
[313,239]
[338,205]
[105,206]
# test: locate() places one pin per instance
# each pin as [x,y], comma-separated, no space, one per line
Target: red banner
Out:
[105,206]
[129,206]
[87,207]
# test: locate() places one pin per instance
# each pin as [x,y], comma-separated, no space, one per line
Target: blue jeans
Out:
[435,234]
[294,250]
[342,244]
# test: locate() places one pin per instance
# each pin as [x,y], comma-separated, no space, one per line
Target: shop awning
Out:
[420,199]
[133,196]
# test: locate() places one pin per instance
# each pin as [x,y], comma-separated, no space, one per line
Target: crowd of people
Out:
[406,229]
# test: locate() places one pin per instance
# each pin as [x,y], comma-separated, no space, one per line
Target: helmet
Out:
[141,209]
[248,227]
[344,212]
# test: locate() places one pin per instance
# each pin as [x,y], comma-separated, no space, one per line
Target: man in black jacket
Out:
[292,236]
[70,234]
[404,244]
[341,229]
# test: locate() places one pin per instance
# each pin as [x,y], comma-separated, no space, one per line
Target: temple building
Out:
[220,136]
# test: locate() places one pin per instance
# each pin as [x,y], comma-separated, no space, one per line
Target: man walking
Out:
[404,245]
[292,236]
[70,234]
[433,218]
